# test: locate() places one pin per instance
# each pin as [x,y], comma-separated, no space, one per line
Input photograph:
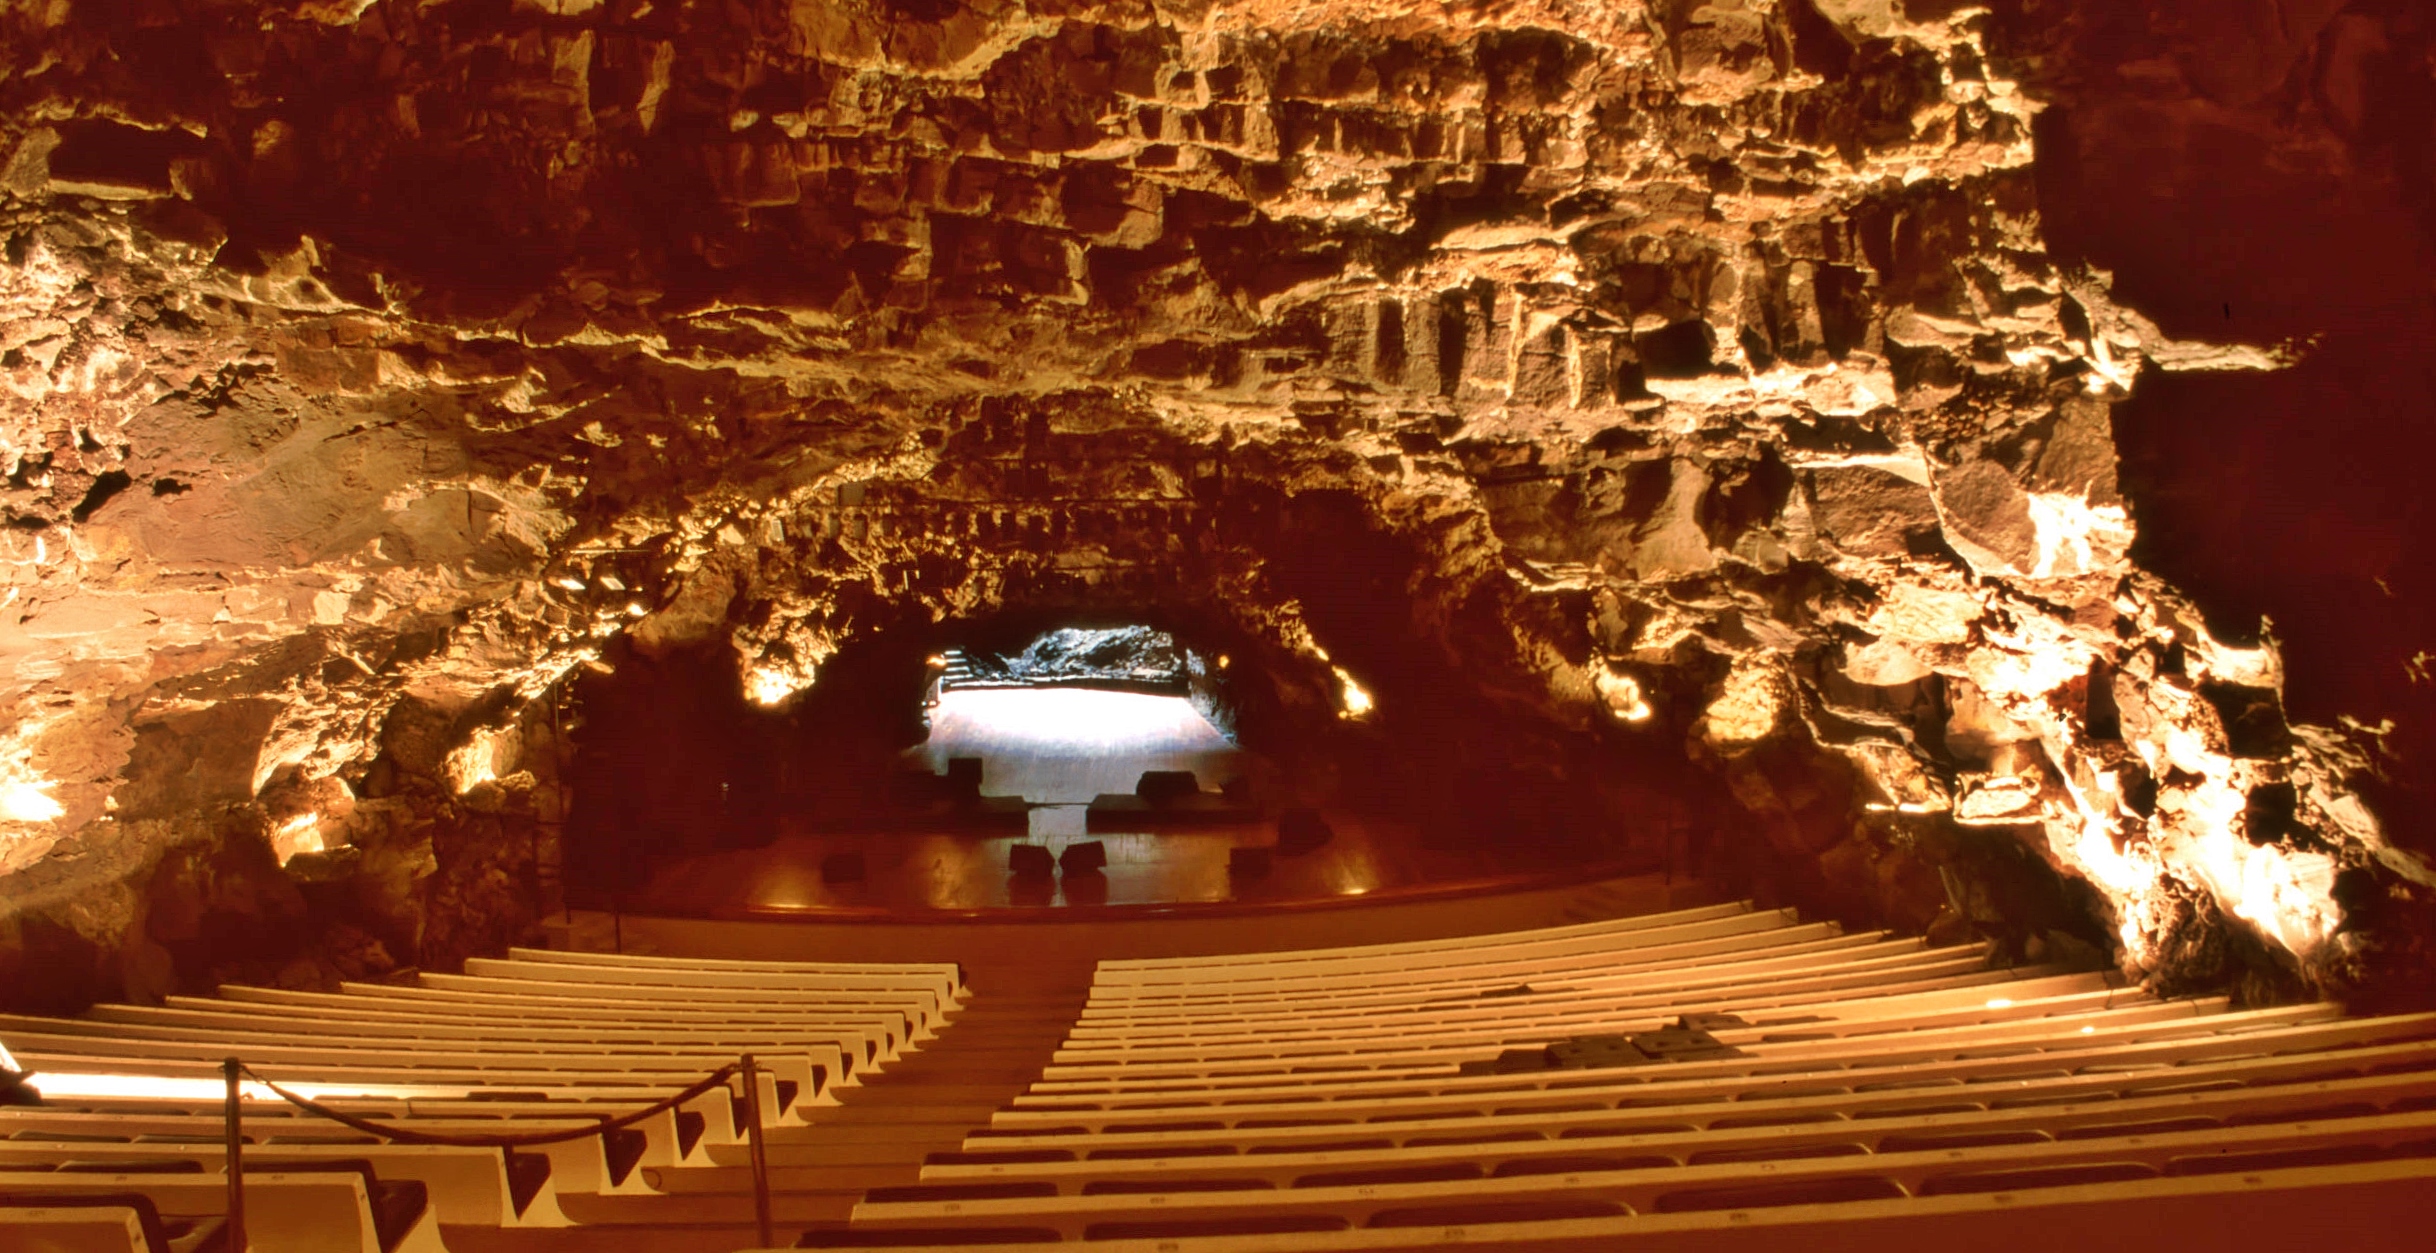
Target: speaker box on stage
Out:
[963,779]
[839,868]
[1301,831]
[1166,787]
[1085,887]
[1030,861]
[1083,858]
[1244,862]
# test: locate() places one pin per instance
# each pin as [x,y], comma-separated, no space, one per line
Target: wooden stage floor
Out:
[918,871]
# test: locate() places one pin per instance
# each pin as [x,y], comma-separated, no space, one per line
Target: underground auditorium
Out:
[1217,626]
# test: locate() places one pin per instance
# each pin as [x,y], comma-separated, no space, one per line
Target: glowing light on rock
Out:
[2000,1002]
[1621,693]
[8,1062]
[1353,702]
[2074,536]
[300,834]
[1747,707]
[25,795]
[476,762]
[28,800]
[772,685]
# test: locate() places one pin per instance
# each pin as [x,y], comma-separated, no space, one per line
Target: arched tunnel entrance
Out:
[1276,660]
[904,775]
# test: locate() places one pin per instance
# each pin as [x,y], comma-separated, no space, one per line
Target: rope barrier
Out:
[401,1135]
[233,1068]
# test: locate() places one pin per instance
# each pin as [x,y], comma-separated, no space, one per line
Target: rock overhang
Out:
[378,358]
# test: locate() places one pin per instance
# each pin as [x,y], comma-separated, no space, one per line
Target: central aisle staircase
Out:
[877,1135]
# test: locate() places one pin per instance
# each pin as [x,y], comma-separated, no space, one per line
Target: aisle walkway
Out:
[1029,983]
[875,1137]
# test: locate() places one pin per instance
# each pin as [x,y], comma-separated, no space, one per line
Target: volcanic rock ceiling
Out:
[372,365]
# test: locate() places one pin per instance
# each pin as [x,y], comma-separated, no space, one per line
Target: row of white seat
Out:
[535,1043]
[1363,1098]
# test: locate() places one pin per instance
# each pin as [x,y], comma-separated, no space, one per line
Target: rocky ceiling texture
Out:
[1704,376]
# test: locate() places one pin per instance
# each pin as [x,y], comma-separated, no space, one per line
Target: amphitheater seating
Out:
[532,1043]
[126,1223]
[309,1209]
[1719,1078]
[1722,1077]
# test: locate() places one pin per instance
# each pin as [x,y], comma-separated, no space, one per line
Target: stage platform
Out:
[914,872]
[1045,949]
[1068,745]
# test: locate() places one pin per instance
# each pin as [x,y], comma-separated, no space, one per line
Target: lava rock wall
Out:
[1698,386]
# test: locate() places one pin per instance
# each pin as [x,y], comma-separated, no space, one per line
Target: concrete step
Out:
[906,1154]
[843,1117]
[796,1208]
[926,1091]
[651,1237]
[738,1180]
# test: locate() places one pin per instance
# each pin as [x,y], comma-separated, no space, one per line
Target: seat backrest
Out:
[147,1216]
[397,1205]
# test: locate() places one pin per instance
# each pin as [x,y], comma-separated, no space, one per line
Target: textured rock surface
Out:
[1692,380]
[1132,654]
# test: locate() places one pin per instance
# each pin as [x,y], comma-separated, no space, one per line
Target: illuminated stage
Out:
[1059,749]
[1068,745]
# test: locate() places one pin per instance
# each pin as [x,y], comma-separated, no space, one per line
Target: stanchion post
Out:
[761,1159]
[230,1069]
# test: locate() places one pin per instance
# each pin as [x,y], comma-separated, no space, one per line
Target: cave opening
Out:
[908,765]
[1078,714]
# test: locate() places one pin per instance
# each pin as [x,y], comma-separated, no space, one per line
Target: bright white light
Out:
[2000,1002]
[24,800]
[55,1086]
[7,1062]
[569,583]
[2089,1031]
[1356,702]
[1069,745]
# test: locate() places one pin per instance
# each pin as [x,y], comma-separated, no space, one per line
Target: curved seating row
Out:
[127,1151]
[1702,1078]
